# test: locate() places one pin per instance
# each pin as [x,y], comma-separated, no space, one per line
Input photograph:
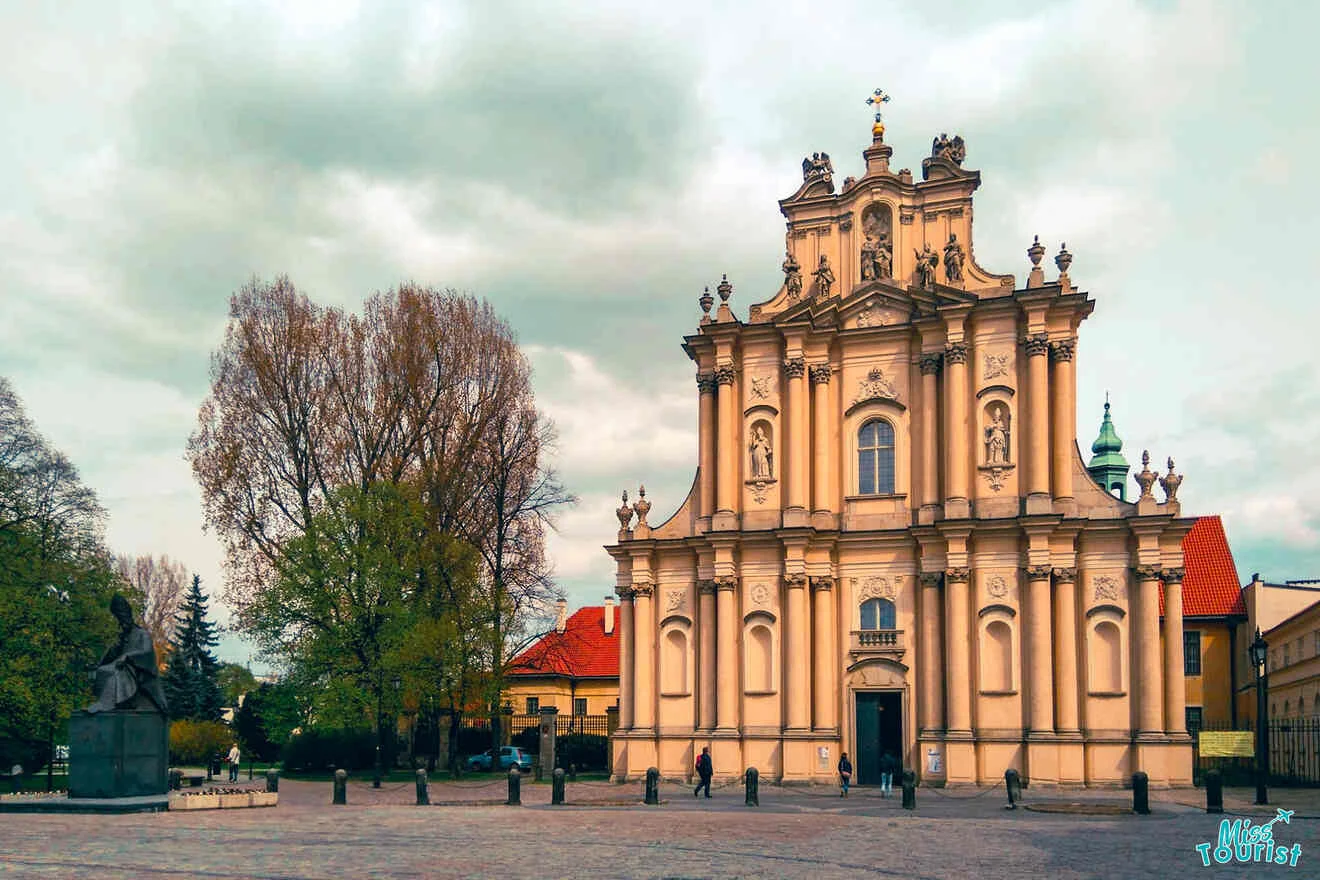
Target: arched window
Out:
[673,666]
[875,458]
[760,669]
[997,657]
[878,614]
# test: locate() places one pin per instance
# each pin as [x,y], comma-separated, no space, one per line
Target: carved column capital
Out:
[1065,575]
[931,578]
[706,383]
[822,583]
[726,583]
[706,587]
[1039,572]
[957,575]
[795,581]
[1062,350]
[625,594]
[1037,345]
[930,364]
[1146,572]
[724,375]
[820,374]
[795,368]
[955,353]
[1173,575]
[643,590]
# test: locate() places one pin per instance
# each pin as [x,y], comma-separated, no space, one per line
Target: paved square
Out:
[605,832]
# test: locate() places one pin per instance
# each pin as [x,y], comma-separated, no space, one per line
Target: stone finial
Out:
[625,513]
[706,301]
[642,506]
[724,289]
[1035,253]
[1170,484]
[1063,260]
[1146,478]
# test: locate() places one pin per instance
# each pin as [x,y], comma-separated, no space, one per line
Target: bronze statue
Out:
[953,260]
[126,676]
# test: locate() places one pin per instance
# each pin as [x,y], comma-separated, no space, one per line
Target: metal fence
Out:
[1294,754]
[594,725]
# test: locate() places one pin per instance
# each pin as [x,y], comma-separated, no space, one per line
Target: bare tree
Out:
[160,581]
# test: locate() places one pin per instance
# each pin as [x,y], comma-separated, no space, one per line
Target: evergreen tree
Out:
[190,681]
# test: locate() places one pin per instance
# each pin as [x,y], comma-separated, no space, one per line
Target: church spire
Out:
[1108,467]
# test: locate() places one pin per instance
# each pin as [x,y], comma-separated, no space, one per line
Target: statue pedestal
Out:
[118,754]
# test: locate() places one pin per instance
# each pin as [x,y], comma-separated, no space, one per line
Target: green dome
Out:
[1107,447]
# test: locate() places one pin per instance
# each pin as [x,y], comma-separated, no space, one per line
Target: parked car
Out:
[509,756]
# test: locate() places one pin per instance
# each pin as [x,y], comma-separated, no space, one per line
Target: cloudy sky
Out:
[589,167]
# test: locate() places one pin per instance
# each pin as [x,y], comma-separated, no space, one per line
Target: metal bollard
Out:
[176,780]
[652,786]
[515,788]
[536,766]
[341,787]
[1214,792]
[752,782]
[249,769]
[572,772]
[423,795]
[1141,793]
[272,780]
[557,787]
[1013,782]
[909,790]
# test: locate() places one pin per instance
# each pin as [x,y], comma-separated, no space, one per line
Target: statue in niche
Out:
[883,261]
[868,259]
[824,277]
[953,260]
[996,437]
[762,455]
[926,262]
[792,276]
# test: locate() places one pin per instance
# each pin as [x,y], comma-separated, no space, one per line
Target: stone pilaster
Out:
[955,431]
[797,670]
[1146,637]
[1040,650]
[932,658]
[625,658]
[1065,650]
[930,451]
[1038,427]
[706,388]
[823,424]
[706,654]
[726,654]
[1063,408]
[1175,695]
[643,658]
[795,461]
[727,448]
[957,648]
[823,656]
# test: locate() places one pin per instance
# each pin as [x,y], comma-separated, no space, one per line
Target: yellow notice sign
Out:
[1227,743]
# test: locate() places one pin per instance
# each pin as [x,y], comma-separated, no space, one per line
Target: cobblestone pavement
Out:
[606,832]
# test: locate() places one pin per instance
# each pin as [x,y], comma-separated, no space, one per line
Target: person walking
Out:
[845,774]
[888,766]
[705,770]
[235,758]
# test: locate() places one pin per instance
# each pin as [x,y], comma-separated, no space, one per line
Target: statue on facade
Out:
[126,677]
[824,277]
[884,262]
[954,255]
[792,276]
[868,259]
[942,147]
[996,439]
[762,455]
[818,167]
[926,262]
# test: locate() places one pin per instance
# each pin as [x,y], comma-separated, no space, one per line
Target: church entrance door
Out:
[879,729]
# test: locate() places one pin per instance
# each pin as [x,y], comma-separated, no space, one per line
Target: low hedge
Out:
[318,749]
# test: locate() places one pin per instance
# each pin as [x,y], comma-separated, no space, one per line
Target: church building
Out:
[892,542]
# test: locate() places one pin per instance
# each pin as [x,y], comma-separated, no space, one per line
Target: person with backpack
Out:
[888,767]
[705,770]
[845,774]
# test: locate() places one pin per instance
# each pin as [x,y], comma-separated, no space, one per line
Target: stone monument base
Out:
[120,754]
[150,804]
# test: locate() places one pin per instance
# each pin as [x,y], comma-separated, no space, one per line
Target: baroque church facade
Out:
[892,542]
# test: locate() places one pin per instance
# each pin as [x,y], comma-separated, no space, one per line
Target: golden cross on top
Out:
[877,98]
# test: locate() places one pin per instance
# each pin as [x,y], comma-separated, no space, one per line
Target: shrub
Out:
[194,742]
[322,748]
[528,739]
[587,750]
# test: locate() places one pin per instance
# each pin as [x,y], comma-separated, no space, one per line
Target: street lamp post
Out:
[1259,651]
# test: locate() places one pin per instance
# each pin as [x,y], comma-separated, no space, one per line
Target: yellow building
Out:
[892,541]
[1288,616]
[574,667]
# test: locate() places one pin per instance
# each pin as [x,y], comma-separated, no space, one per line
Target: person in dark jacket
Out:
[888,767]
[845,774]
[705,770]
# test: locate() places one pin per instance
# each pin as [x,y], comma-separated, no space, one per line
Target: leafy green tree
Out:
[190,679]
[266,720]
[235,680]
[56,581]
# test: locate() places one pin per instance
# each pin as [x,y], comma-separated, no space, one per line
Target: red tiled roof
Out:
[1210,581]
[582,650]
